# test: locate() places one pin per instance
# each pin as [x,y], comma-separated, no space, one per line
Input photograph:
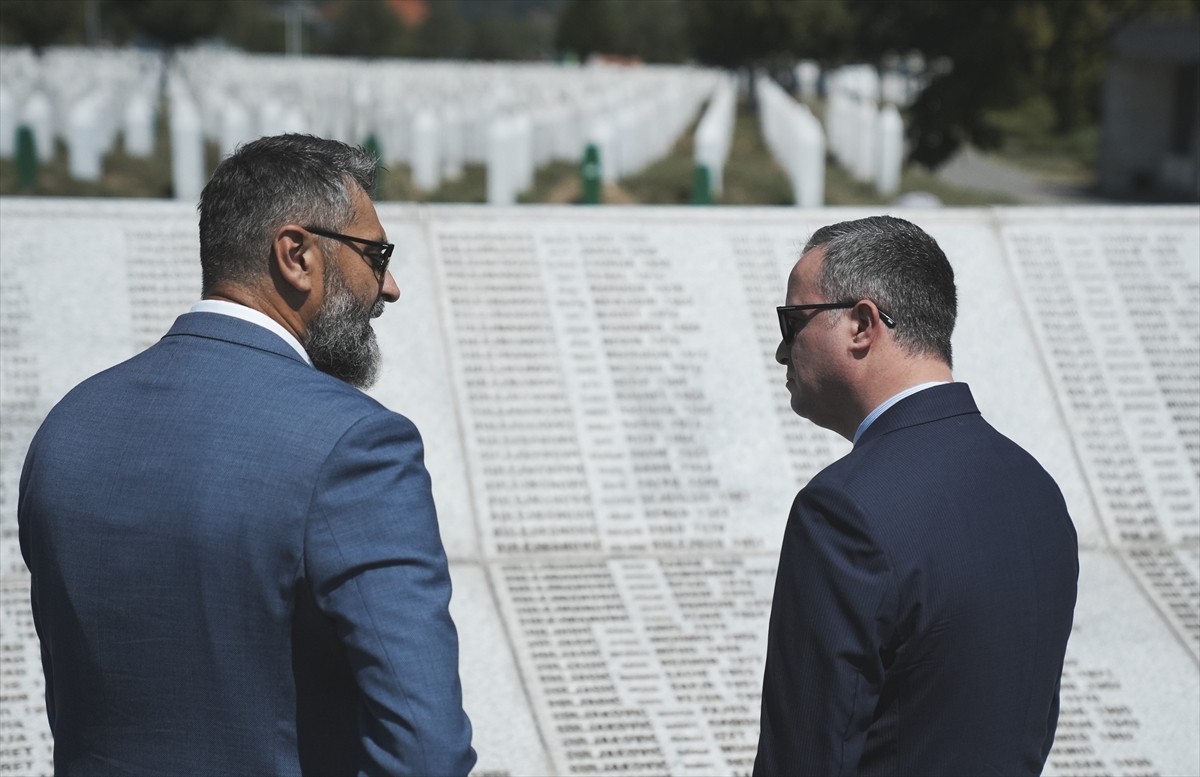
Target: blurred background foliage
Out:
[1001,67]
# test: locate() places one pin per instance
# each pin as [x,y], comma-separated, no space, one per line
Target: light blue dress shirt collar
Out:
[908,392]
[226,308]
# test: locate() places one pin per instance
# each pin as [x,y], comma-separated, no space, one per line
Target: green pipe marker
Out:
[701,186]
[590,171]
[27,161]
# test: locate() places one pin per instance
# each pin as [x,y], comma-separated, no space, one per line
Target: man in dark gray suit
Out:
[927,580]
[235,559]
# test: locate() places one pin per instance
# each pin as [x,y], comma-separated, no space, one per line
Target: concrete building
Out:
[1150,136]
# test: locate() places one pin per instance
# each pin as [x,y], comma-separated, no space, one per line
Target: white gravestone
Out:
[188,172]
[38,115]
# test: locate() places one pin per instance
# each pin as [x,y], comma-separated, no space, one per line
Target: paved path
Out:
[972,170]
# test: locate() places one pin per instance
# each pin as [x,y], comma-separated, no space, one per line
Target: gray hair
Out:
[899,267]
[271,182]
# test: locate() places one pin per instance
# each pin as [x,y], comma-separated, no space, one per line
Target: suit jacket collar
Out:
[932,404]
[215,326]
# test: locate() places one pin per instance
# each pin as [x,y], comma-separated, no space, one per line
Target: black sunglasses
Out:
[790,325]
[377,258]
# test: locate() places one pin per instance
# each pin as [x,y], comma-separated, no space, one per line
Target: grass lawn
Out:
[124,176]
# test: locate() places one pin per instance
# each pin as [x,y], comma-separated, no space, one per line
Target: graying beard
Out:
[341,342]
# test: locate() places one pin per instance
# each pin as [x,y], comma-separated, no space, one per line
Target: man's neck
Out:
[907,374]
[884,384]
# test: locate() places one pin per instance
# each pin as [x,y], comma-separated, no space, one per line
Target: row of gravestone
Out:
[436,117]
[864,138]
[897,82]
[85,98]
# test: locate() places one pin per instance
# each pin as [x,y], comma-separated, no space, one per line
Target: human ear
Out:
[295,257]
[866,322]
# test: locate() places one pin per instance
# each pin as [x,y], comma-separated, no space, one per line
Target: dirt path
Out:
[970,169]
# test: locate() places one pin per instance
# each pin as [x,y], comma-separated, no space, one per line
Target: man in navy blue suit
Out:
[927,580]
[235,559]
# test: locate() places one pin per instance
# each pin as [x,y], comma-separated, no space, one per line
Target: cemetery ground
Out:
[751,175]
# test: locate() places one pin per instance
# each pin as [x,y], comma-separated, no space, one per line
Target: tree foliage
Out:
[171,23]
[587,27]
[499,36]
[990,47]
[1002,53]
[40,23]
[652,32]
[366,28]
[445,33]
[253,27]
[740,33]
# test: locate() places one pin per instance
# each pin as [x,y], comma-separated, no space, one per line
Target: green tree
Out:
[253,26]
[170,23]
[587,27]
[991,48]
[444,33]
[508,36]
[1002,54]
[40,23]
[738,33]
[652,31]
[367,28]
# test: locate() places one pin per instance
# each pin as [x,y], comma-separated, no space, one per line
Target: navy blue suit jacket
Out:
[924,598]
[236,569]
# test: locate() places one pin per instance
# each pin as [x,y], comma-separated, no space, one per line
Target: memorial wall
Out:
[614,456]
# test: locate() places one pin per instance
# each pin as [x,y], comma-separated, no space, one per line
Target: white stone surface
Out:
[426,151]
[503,154]
[795,139]
[47,89]
[138,116]
[714,133]
[38,115]
[889,154]
[85,152]
[865,138]
[613,455]
[808,77]
[8,122]
[188,172]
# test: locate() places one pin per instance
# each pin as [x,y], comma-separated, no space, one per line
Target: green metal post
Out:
[590,171]
[701,186]
[27,161]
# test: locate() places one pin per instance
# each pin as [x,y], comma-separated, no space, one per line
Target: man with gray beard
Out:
[235,559]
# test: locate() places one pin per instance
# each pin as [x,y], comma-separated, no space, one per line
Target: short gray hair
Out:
[899,267]
[271,182]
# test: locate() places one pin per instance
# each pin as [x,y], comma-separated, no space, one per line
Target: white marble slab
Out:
[613,454]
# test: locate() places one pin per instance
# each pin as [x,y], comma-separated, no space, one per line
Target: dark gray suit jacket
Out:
[924,598]
[237,569]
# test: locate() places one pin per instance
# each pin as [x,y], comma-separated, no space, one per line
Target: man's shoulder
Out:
[214,379]
[930,459]
[948,443]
